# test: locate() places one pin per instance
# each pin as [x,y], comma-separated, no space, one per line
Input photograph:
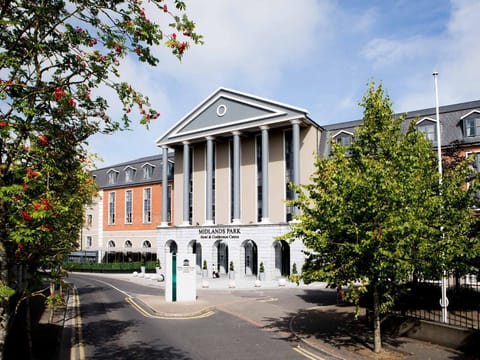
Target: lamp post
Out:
[444,299]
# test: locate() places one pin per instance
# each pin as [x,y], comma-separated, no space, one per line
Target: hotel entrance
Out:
[249,253]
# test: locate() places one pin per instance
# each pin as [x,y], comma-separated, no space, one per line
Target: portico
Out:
[235,155]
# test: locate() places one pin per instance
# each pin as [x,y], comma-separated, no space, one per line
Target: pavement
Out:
[330,332]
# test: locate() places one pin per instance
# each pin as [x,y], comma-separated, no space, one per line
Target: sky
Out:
[317,55]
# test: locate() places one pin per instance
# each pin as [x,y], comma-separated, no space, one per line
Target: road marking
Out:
[131,300]
[307,354]
[113,286]
[145,313]
[76,329]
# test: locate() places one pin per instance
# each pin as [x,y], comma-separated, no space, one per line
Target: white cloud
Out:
[252,41]
[387,51]
[456,58]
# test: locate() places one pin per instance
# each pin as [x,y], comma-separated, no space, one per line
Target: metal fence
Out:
[423,302]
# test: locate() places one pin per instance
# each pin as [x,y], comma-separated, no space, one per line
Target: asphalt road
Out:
[112,329]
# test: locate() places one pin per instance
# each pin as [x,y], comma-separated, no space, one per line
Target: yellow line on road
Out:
[307,354]
[77,333]
[145,313]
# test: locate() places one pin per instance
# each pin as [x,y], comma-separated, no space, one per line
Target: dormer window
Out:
[471,123]
[148,171]
[428,127]
[112,177]
[343,138]
[129,174]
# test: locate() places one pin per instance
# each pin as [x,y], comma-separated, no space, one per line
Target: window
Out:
[89,220]
[147,205]
[129,174]
[128,244]
[111,208]
[472,126]
[289,193]
[147,244]
[112,177]
[259,177]
[147,171]
[128,207]
[111,244]
[429,130]
[344,140]
[476,167]
[476,159]
[190,186]
[89,242]
[169,203]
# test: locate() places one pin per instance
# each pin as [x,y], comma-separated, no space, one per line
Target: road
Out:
[112,329]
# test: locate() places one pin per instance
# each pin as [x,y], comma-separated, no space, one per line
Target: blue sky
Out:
[314,54]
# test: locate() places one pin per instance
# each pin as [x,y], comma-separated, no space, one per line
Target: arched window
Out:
[111,244]
[147,244]
[128,244]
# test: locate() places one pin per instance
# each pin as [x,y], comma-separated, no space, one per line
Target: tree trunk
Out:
[377,334]
[28,323]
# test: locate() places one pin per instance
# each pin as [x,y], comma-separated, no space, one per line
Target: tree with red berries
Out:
[56,57]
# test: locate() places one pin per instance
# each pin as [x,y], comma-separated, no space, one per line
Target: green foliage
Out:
[109,267]
[6,291]
[294,269]
[205,267]
[232,266]
[374,212]
[262,268]
[57,59]
[55,301]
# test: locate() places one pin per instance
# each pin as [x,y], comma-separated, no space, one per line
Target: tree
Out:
[375,211]
[56,57]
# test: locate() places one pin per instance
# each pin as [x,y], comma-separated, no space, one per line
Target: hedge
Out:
[109,267]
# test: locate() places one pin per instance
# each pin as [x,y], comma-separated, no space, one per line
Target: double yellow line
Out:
[76,339]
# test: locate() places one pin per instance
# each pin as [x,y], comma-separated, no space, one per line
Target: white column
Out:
[209,183]
[265,188]
[296,157]
[236,178]
[164,186]
[186,183]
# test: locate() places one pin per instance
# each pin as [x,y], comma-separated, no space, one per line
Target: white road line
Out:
[113,286]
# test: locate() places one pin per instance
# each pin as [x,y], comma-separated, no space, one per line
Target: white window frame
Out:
[112,199]
[112,177]
[128,206]
[147,212]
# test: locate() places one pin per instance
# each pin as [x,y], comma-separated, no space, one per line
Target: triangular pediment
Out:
[227,110]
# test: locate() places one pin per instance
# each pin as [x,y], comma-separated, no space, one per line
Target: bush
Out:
[120,267]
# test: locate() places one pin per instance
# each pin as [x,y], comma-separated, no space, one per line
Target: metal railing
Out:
[422,301]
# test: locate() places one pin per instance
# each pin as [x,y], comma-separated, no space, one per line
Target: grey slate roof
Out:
[452,129]
[101,176]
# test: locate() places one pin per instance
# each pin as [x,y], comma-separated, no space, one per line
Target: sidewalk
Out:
[330,330]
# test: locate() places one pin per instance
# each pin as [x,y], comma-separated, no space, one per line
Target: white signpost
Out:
[180,282]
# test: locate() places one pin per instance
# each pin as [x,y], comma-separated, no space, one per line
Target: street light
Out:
[444,299]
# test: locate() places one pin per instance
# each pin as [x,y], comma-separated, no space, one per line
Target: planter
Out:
[205,273]
[142,269]
[231,275]
[261,276]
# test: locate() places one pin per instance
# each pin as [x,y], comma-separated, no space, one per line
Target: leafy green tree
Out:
[56,59]
[376,214]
